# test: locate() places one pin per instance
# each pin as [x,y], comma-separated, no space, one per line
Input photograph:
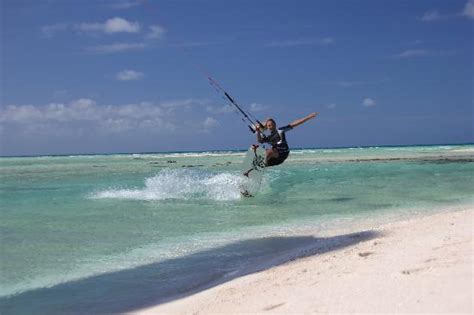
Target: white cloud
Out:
[20,114]
[368,102]
[412,53]
[25,114]
[331,106]
[118,125]
[301,42]
[255,107]
[129,75]
[210,123]
[111,26]
[469,9]
[156,32]
[117,25]
[158,123]
[434,15]
[86,112]
[115,48]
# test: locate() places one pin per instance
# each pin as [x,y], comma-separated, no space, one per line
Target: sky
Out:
[85,76]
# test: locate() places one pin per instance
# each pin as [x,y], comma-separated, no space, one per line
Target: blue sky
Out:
[126,76]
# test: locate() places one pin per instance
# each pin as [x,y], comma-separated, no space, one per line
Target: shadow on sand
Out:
[160,282]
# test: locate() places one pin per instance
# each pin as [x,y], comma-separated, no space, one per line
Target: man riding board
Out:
[279,151]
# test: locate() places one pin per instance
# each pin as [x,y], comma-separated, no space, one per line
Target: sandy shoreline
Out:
[421,265]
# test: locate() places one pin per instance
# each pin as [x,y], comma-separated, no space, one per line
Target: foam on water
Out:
[181,184]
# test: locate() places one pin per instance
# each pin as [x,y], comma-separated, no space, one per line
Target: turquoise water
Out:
[76,222]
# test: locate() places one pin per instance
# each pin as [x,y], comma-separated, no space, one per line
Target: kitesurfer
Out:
[279,151]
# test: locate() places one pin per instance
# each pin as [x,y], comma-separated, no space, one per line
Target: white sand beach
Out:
[420,265]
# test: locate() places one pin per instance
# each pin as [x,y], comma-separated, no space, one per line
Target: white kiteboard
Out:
[253,168]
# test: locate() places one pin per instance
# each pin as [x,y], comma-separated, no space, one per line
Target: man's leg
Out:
[271,154]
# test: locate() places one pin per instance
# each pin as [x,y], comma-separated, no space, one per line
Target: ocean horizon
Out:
[236,150]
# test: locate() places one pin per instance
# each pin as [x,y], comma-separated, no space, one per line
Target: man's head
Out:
[270,124]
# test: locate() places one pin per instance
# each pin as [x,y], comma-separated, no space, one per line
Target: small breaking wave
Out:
[181,184]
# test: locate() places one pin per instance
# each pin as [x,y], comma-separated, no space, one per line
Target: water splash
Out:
[181,184]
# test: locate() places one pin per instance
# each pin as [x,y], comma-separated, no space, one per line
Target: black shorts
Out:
[280,159]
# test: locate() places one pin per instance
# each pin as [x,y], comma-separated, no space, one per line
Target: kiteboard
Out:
[253,168]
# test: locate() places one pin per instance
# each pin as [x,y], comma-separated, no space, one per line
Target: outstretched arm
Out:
[298,122]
